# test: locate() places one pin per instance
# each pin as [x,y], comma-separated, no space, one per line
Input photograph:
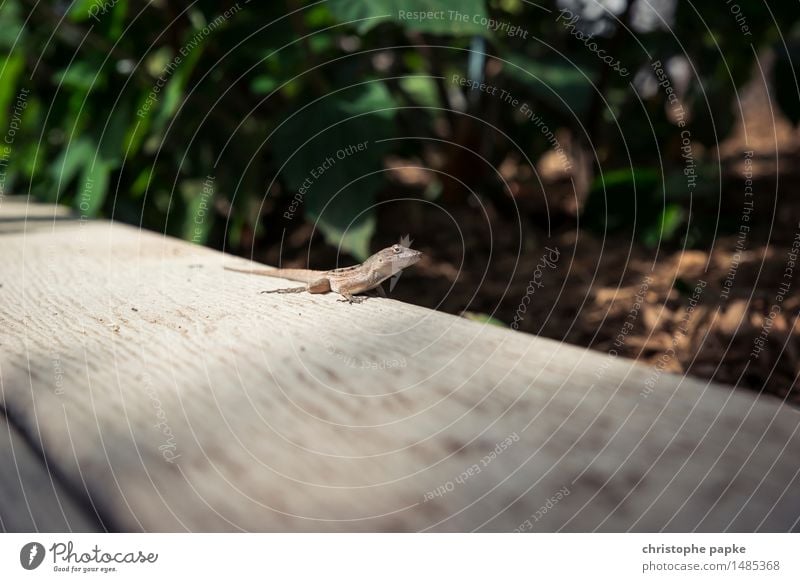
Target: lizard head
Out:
[394,259]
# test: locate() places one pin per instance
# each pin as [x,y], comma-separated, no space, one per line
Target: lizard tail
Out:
[302,275]
[267,272]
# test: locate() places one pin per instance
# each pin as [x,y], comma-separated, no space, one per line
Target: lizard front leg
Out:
[350,298]
[348,291]
[356,285]
[377,292]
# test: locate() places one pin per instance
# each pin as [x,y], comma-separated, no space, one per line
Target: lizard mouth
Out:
[406,259]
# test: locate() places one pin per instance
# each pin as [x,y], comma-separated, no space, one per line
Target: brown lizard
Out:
[347,281]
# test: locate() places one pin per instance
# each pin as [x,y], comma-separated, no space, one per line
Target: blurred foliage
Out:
[135,107]
[483,318]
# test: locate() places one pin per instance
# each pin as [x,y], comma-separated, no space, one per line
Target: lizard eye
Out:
[396,248]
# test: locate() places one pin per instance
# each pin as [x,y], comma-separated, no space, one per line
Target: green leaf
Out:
[665,227]
[94,188]
[197,223]
[263,84]
[10,66]
[84,9]
[135,135]
[82,76]
[236,230]
[11,27]
[98,162]
[76,155]
[334,159]
[422,89]
[355,238]
[561,84]
[169,99]
[117,19]
[320,42]
[450,17]
[482,318]
[620,199]
[116,133]
[626,178]
[142,182]
[414,61]
[105,12]
[512,6]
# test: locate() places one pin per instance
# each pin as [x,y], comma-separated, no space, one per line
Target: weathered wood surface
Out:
[31,499]
[178,398]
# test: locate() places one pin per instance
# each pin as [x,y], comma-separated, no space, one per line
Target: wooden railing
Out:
[144,388]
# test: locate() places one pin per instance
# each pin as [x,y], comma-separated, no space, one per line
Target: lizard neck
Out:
[380,272]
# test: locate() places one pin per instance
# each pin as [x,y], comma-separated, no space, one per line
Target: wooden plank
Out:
[186,400]
[31,499]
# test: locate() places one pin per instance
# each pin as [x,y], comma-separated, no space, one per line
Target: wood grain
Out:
[179,398]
